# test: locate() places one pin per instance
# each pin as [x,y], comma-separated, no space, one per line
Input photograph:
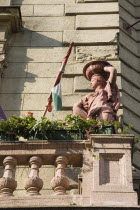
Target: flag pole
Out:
[49,106]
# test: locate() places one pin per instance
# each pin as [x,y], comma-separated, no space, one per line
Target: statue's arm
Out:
[113,74]
[79,110]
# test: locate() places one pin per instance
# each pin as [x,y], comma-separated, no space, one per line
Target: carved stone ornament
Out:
[60,183]
[33,183]
[7,182]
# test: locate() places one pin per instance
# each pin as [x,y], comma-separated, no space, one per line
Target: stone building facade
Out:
[30,59]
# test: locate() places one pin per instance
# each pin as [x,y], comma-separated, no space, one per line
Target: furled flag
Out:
[56,96]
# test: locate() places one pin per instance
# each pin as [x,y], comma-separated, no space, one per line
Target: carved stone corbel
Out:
[60,183]
[33,183]
[7,182]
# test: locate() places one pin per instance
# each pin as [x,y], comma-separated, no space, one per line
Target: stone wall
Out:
[34,55]
[129,54]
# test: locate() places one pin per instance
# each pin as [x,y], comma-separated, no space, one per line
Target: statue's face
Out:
[97,80]
[94,82]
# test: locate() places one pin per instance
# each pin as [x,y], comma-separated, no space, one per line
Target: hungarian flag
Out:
[57,97]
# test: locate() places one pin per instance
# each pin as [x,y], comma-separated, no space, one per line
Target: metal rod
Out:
[133,24]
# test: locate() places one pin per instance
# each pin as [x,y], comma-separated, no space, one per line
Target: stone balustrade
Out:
[106,175]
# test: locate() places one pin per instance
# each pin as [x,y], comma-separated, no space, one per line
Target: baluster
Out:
[33,183]
[60,183]
[7,182]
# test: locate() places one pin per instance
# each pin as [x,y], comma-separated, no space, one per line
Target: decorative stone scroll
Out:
[33,183]
[60,183]
[7,182]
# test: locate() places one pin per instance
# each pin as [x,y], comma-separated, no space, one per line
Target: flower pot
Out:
[108,129]
[58,135]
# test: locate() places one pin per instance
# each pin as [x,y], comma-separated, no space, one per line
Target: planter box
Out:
[7,137]
[108,129]
[59,135]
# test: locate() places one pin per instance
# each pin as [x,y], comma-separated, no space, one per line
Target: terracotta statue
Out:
[103,103]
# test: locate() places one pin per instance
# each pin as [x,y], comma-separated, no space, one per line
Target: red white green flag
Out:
[57,97]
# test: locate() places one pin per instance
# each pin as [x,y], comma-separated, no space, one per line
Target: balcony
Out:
[104,179]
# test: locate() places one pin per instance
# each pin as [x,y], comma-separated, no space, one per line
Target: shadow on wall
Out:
[26,51]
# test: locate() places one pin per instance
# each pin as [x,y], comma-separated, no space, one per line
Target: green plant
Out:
[18,126]
[76,122]
[45,128]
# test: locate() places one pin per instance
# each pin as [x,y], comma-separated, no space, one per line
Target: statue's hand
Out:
[94,112]
[109,69]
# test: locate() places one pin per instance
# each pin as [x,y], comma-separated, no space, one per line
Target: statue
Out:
[103,103]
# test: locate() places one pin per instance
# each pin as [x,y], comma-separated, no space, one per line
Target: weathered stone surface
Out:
[90,1]
[130,103]
[27,10]
[49,23]
[91,8]
[38,85]
[48,10]
[130,7]
[43,69]
[21,39]
[130,89]
[131,119]
[134,34]
[128,57]
[38,201]
[19,2]
[2,34]
[129,43]
[35,101]
[31,101]
[46,39]
[11,101]
[136,158]
[47,173]
[128,18]
[5,2]
[137,3]
[58,115]
[105,178]
[15,70]
[81,84]
[90,37]
[23,54]
[96,53]
[97,21]
[127,71]
[38,114]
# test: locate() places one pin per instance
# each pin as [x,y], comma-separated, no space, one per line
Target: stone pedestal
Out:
[112,171]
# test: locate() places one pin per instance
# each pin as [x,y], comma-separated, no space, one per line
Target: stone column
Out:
[33,183]
[7,182]
[60,183]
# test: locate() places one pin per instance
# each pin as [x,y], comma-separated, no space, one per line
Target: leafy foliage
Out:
[29,126]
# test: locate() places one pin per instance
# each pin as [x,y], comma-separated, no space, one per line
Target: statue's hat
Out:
[88,73]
